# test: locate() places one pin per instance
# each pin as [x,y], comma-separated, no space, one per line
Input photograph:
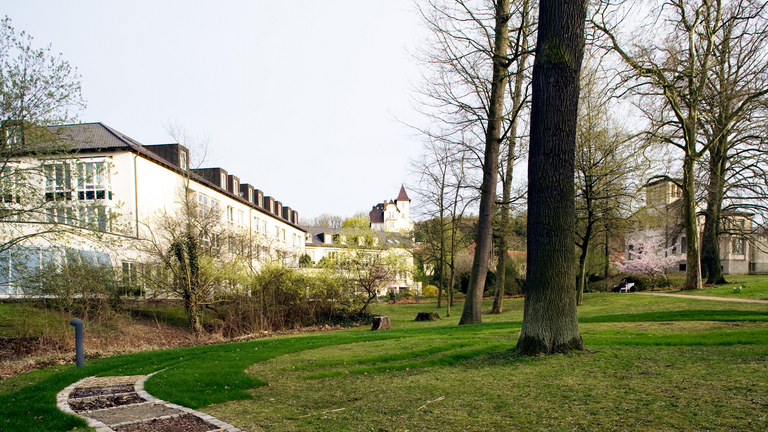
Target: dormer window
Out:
[183,160]
[224,181]
[235,186]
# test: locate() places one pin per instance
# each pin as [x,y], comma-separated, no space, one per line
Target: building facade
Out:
[392,215]
[742,250]
[334,245]
[108,184]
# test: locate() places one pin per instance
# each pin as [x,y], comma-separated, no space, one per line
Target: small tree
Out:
[370,271]
[648,258]
[37,89]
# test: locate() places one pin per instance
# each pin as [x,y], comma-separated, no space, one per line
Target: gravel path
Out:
[730,299]
[120,404]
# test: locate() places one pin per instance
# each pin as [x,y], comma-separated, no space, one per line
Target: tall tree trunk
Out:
[517,96]
[473,304]
[550,323]
[693,263]
[607,262]
[710,242]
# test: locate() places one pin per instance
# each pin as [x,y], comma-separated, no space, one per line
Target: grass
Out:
[753,287]
[654,363]
[18,319]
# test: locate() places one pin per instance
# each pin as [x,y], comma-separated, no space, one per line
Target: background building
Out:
[108,184]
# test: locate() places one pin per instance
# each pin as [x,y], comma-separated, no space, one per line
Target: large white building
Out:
[112,184]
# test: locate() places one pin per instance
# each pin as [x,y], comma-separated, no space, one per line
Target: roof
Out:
[386,239]
[376,214]
[402,196]
[95,136]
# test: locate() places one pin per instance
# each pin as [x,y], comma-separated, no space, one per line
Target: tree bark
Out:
[710,243]
[474,301]
[690,219]
[550,323]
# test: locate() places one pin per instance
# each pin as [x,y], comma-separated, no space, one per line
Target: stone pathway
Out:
[730,299]
[120,404]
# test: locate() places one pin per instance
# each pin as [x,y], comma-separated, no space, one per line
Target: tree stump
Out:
[427,316]
[381,323]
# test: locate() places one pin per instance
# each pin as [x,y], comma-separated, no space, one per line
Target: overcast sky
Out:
[302,99]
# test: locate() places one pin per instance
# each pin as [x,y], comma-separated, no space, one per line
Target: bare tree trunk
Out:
[474,302]
[693,263]
[710,243]
[607,262]
[517,96]
[550,322]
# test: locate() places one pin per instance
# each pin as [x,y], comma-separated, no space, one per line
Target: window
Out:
[284,238]
[60,215]
[93,181]
[277,232]
[230,215]
[183,160]
[224,181]
[130,274]
[203,205]
[682,267]
[250,195]
[391,225]
[95,217]
[58,183]
[739,246]
[265,228]
[240,218]
[683,245]
[8,188]
[256,224]
[235,186]
[261,200]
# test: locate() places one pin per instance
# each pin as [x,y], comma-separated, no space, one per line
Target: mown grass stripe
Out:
[446,360]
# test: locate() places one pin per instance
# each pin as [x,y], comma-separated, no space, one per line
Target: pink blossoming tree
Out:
[649,258]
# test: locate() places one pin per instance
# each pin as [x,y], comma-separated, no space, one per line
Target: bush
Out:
[281,298]
[429,291]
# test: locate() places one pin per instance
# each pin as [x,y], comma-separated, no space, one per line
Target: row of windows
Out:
[208,205]
[93,180]
[93,217]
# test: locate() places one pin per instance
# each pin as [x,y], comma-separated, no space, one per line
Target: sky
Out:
[305,100]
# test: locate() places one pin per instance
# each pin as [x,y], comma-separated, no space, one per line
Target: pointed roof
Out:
[402,196]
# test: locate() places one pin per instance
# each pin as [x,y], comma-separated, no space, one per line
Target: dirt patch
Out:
[105,402]
[183,423]
[79,394]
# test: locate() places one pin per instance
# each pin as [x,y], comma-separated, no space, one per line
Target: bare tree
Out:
[672,76]
[734,112]
[523,34]
[609,168]
[550,323]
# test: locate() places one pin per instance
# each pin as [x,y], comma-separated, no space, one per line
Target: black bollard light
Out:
[78,323]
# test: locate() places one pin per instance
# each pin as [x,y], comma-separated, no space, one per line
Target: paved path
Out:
[94,398]
[730,299]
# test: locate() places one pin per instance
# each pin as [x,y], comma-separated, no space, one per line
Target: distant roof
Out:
[402,196]
[386,239]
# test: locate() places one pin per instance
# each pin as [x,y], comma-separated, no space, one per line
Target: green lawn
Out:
[752,287]
[653,363]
